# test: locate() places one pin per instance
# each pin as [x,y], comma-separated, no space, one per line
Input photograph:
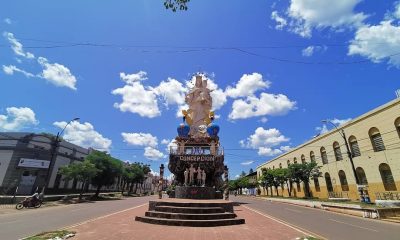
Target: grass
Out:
[50,235]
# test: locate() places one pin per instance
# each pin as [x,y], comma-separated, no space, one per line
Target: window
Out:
[312,156]
[280,165]
[338,153]
[376,140]
[324,157]
[361,176]
[288,163]
[303,158]
[273,167]
[328,181]
[387,177]
[316,184]
[397,125]
[343,181]
[294,160]
[355,150]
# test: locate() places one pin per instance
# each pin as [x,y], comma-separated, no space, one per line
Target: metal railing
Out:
[387,195]
[196,151]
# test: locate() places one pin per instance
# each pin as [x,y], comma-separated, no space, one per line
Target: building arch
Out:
[337,151]
[328,182]
[397,125]
[288,163]
[324,156]
[312,156]
[343,181]
[294,160]
[361,176]
[303,158]
[280,165]
[354,148]
[376,139]
[387,177]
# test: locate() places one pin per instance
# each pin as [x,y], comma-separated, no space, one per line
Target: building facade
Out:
[374,142]
[25,162]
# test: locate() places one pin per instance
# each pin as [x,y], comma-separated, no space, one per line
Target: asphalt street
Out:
[323,223]
[27,222]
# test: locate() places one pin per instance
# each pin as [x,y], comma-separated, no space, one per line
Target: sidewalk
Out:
[121,225]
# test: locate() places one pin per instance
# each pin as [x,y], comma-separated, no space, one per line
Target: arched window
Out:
[303,158]
[288,163]
[376,139]
[273,167]
[316,184]
[343,181]
[328,182]
[280,165]
[324,157]
[361,176]
[312,156]
[294,160]
[338,153]
[397,125]
[355,150]
[387,177]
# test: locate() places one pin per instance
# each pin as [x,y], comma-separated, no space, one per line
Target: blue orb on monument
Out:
[213,130]
[183,130]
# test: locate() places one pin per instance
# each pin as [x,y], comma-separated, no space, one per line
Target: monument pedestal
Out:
[189,192]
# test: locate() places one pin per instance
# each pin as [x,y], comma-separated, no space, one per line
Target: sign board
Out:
[197,158]
[33,163]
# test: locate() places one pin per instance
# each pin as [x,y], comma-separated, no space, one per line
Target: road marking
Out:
[295,227]
[289,209]
[353,225]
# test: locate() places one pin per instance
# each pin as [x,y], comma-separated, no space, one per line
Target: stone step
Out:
[191,223]
[191,204]
[194,210]
[391,219]
[190,216]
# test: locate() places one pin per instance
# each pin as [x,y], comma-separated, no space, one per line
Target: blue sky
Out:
[122,67]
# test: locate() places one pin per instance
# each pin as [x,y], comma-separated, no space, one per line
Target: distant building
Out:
[374,141]
[25,160]
[252,181]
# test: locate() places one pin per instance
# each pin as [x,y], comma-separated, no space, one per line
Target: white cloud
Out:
[247,86]
[267,104]
[135,97]
[247,163]
[165,141]
[378,43]
[10,69]
[17,119]
[396,12]
[338,122]
[140,139]
[171,91]
[264,120]
[83,134]
[305,15]
[17,47]
[152,153]
[310,50]
[154,173]
[280,21]
[57,74]
[8,21]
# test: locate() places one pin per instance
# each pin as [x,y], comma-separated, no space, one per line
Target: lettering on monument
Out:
[197,158]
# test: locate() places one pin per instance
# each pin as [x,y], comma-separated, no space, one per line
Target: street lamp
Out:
[54,153]
[349,154]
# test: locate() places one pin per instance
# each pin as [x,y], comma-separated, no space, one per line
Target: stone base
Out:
[195,192]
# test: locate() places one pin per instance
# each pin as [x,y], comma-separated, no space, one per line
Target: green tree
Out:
[80,171]
[268,179]
[109,169]
[304,172]
[251,171]
[176,4]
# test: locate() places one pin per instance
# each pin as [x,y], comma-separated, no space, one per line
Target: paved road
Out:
[326,224]
[31,221]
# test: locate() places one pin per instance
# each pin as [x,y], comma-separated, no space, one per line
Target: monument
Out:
[198,160]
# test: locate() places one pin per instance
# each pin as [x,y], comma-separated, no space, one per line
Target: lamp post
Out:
[161,181]
[54,154]
[349,154]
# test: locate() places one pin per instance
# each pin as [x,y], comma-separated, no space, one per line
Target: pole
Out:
[161,182]
[52,157]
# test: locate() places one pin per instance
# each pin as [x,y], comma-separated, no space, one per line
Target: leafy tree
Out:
[109,169]
[81,171]
[242,174]
[251,171]
[176,5]
[304,172]
[267,178]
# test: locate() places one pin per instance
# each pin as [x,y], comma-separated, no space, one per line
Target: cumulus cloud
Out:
[247,85]
[264,120]
[303,16]
[266,141]
[378,43]
[153,154]
[140,139]
[310,50]
[11,69]
[338,122]
[57,74]
[17,47]
[280,21]
[84,134]
[17,119]
[266,104]
[246,163]
[165,141]
[396,12]
[8,21]
[171,91]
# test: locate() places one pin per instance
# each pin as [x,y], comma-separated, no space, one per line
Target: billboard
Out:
[33,163]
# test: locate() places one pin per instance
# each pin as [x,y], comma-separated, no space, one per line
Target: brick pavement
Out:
[122,225]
